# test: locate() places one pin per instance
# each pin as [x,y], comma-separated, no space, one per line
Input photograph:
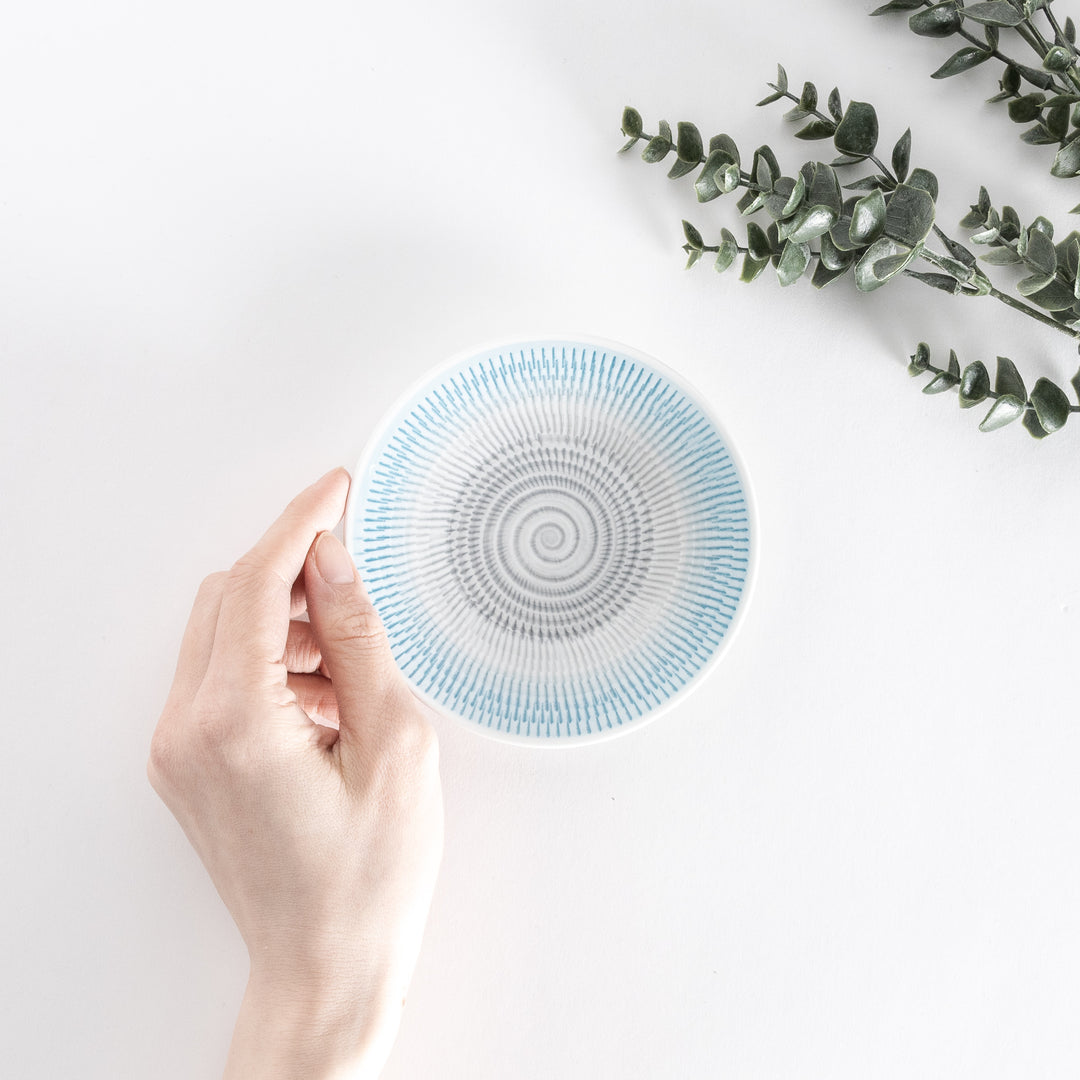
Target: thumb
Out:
[352,639]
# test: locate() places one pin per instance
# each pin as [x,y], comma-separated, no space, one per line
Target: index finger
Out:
[253,623]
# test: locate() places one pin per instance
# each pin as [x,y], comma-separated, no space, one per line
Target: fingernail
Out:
[333,562]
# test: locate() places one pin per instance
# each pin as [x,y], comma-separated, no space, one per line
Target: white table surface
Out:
[231,234]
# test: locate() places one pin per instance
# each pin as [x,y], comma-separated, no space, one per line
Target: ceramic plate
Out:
[557,535]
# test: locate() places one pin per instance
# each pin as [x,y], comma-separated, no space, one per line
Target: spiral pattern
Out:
[556,537]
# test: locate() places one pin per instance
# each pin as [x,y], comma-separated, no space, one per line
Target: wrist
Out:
[300,1026]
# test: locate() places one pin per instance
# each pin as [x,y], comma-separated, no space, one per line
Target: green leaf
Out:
[996,13]
[752,268]
[868,219]
[824,188]
[920,359]
[631,123]
[882,260]
[656,149]
[689,146]
[705,185]
[1010,81]
[1067,159]
[816,129]
[1027,107]
[765,169]
[1007,381]
[1054,295]
[944,379]
[832,258]
[693,237]
[758,242]
[957,250]
[1057,121]
[726,144]
[808,98]
[823,275]
[1004,411]
[1001,256]
[1010,223]
[1043,80]
[1032,425]
[750,202]
[728,178]
[781,79]
[794,260]
[770,98]
[1075,380]
[1051,405]
[901,155]
[925,180]
[809,223]
[938,281]
[836,110]
[909,215]
[1068,253]
[963,60]
[897,5]
[974,384]
[1057,58]
[729,249]
[857,133]
[681,168]
[1040,255]
[941,20]
[693,255]
[1070,31]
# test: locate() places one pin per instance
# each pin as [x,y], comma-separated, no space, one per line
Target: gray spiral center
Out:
[549,540]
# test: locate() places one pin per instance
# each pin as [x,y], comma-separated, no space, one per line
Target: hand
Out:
[305,774]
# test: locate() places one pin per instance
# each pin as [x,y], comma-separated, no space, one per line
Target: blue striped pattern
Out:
[556,538]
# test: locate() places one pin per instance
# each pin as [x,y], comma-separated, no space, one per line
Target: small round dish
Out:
[558,537]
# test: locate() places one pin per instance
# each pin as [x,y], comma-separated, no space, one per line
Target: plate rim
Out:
[430,376]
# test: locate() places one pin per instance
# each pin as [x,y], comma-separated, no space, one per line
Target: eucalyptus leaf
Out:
[1057,58]
[962,60]
[681,168]
[781,79]
[1067,159]
[823,275]
[901,155]
[816,129]
[832,258]
[857,133]
[689,146]
[897,5]
[941,20]
[1007,381]
[868,218]
[1026,107]
[1040,254]
[974,384]
[920,359]
[631,123]
[726,144]
[1051,405]
[824,188]
[794,259]
[729,250]
[956,249]
[996,13]
[1001,256]
[1004,411]
[656,149]
[752,268]
[937,281]
[882,260]
[925,180]
[836,109]
[909,214]
[810,222]
[1043,80]
[693,237]
[940,382]
[757,242]
[706,184]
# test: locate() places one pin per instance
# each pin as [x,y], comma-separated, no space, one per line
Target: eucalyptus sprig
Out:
[1046,96]
[876,234]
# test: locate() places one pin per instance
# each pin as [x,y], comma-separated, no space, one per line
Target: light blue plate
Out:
[558,537]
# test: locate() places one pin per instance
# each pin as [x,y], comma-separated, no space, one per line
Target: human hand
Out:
[323,839]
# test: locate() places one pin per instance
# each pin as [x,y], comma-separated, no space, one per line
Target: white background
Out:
[231,234]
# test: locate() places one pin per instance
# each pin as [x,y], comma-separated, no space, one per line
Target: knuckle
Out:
[213,583]
[362,628]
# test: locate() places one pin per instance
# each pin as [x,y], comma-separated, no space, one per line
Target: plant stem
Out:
[1010,301]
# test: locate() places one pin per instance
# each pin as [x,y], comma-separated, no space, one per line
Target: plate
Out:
[557,535]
